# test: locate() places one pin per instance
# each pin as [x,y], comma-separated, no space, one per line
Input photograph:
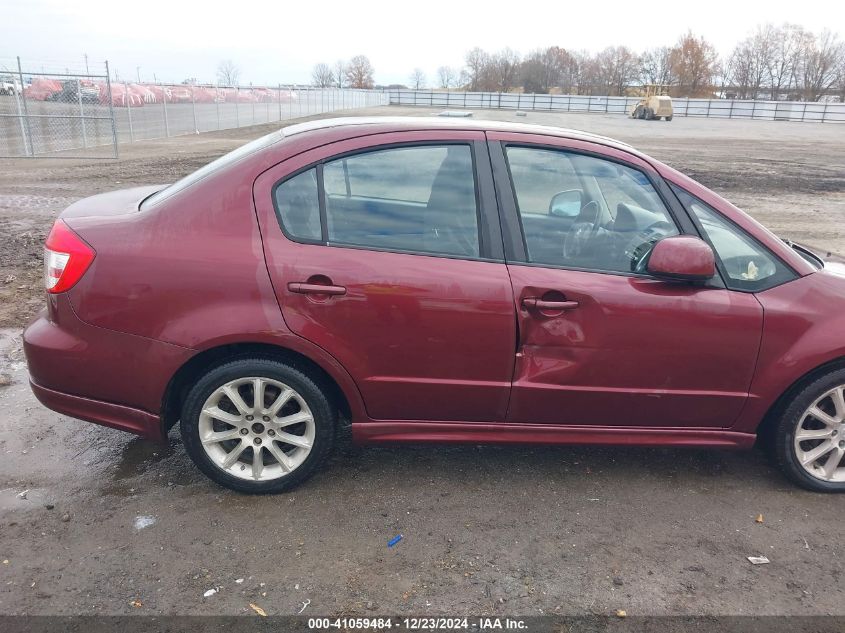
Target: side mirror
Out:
[682,258]
[566,204]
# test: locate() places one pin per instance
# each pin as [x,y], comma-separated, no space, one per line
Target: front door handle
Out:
[304,288]
[543,304]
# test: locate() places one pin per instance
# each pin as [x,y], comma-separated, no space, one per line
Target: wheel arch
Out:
[339,388]
[769,421]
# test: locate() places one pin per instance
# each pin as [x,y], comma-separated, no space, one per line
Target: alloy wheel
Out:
[256,428]
[819,441]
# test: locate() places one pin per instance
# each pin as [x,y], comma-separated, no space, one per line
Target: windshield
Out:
[227,159]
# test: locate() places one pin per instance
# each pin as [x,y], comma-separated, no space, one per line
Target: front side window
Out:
[747,264]
[583,212]
[419,199]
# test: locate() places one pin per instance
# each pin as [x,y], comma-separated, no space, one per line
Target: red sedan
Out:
[434,280]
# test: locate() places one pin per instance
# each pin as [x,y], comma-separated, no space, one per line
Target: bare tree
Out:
[322,76]
[747,69]
[820,58]
[228,73]
[339,73]
[573,70]
[478,64]
[417,79]
[840,79]
[447,77]
[504,71]
[655,67]
[615,69]
[359,72]
[785,58]
[694,63]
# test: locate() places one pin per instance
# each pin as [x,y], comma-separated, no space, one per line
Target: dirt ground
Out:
[94,521]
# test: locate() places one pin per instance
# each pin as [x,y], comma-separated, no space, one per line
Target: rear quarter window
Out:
[214,166]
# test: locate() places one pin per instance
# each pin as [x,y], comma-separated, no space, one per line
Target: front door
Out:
[380,252]
[600,342]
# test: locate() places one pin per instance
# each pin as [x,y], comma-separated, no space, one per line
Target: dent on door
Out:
[634,351]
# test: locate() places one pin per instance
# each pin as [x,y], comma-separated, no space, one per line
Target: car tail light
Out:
[66,258]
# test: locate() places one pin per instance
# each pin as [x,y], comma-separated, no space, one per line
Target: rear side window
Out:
[747,264]
[298,204]
[419,199]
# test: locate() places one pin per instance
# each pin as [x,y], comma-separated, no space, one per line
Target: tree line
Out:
[773,62]
[356,73]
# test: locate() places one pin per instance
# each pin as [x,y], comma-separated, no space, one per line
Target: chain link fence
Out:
[53,110]
[820,112]
[78,111]
[147,111]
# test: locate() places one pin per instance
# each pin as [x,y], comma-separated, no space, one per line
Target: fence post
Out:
[237,106]
[21,119]
[164,109]
[731,111]
[128,103]
[194,111]
[31,150]
[753,108]
[217,103]
[824,112]
[111,110]
[81,113]
[279,95]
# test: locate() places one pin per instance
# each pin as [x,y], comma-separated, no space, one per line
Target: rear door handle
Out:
[305,288]
[542,304]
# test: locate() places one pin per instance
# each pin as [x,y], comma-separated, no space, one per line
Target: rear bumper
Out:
[115,416]
[96,374]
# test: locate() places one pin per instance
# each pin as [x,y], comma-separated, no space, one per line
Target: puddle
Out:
[137,456]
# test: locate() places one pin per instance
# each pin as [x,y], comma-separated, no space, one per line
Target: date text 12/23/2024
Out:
[418,624]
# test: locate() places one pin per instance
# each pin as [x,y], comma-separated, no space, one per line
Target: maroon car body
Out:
[418,347]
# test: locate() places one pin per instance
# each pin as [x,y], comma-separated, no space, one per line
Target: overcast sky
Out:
[281,41]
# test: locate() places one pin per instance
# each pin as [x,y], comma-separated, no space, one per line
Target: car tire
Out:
[797,418]
[668,118]
[258,429]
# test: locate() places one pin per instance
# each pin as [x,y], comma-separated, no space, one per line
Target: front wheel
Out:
[257,425]
[810,435]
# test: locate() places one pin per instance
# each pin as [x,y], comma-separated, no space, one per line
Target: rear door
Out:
[600,342]
[382,252]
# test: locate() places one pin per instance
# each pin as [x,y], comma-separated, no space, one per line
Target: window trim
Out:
[720,266]
[516,250]
[488,234]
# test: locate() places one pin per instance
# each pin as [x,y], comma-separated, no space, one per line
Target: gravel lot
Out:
[94,521]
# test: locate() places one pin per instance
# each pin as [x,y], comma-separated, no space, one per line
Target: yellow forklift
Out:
[654,105]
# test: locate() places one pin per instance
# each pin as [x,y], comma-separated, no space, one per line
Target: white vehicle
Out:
[8,87]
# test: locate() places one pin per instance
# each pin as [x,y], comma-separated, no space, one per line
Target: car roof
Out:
[435,122]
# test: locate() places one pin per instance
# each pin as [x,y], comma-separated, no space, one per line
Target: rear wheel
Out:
[810,435]
[257,425]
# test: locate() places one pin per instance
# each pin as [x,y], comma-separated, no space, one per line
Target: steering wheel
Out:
[582,231]
[639,247]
